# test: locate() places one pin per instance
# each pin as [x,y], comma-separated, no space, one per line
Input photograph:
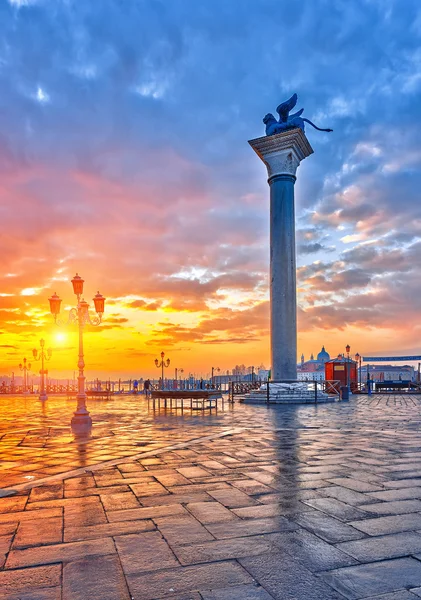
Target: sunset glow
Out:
[127,161]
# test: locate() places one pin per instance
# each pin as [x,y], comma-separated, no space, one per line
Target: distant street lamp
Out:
[25,368]
[358,358]
[162,365]
[80,316]
[217,369]
[42,356]
[348,349]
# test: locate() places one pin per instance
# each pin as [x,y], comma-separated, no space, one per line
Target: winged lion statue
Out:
[287,121]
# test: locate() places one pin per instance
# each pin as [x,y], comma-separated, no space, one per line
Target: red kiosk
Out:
[343,370]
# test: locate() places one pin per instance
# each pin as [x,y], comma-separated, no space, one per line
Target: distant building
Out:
[388,373]
[313,369]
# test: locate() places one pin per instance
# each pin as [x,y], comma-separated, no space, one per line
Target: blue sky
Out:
[123,143]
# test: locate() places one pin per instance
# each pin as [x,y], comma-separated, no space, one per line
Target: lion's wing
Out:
[284,108]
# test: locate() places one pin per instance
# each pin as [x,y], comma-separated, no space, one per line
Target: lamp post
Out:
[42,356]
[217,369]
[80,316]
[358,359]
[348,349]
[162,365]
[25,368]
[252,373]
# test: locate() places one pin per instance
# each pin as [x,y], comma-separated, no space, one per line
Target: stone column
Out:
[282,154]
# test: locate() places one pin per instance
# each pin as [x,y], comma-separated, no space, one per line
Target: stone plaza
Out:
[249,502]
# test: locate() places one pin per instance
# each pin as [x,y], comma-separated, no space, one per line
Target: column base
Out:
[81,420]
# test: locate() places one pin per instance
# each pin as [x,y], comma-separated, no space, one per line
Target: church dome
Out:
[323,356]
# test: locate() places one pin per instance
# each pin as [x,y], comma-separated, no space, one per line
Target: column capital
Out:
[283,152]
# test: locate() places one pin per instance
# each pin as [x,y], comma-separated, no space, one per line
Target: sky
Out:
[124,158]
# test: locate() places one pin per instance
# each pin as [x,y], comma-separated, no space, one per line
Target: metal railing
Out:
[330,387]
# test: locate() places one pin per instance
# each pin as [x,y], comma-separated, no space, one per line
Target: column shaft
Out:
[283,278]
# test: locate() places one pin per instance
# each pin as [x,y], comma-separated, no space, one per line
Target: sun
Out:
[60,337]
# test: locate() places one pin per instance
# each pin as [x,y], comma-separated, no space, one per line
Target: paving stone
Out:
[326,527]
[193,488]
[232,498]
[28,581]
[182,529]
[58,553]
[260,511]
[84,515]
[252,487]
[224,549]
[151,586]
[405,493]
[99,578]
[96,491]
[363,581]
[310,551]
[5,543]
[14,504]
[46,492]
[383,547]
[285,579]
[39,533]
[355,484]
[250,527]
[8,528]
[172,479]
[63,503]
[176,499]
[403,483]
[241,592]
[345,495]
[148,489]
[107,530]
[399,595]
[119,501]
[51,593]
[29,515]
[190,472]
[210,512]
[394,508]
[336,508]
[416,591]
[144,552]
[392,524]
[148,512]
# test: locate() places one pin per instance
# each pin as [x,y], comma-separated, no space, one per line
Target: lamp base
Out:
[81,420]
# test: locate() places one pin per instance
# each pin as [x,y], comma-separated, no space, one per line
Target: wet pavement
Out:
[251,502]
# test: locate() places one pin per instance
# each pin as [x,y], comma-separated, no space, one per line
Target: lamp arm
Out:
[72,318]
[95,321]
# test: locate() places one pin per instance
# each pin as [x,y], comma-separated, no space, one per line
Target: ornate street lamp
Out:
[161,365]
[42,356]
[358,359]
[25,367]
[348,349]
[217,369]
[79,316]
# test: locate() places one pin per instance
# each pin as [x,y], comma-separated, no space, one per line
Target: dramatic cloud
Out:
[124,156]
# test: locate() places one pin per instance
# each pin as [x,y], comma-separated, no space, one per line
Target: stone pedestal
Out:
[282,154]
